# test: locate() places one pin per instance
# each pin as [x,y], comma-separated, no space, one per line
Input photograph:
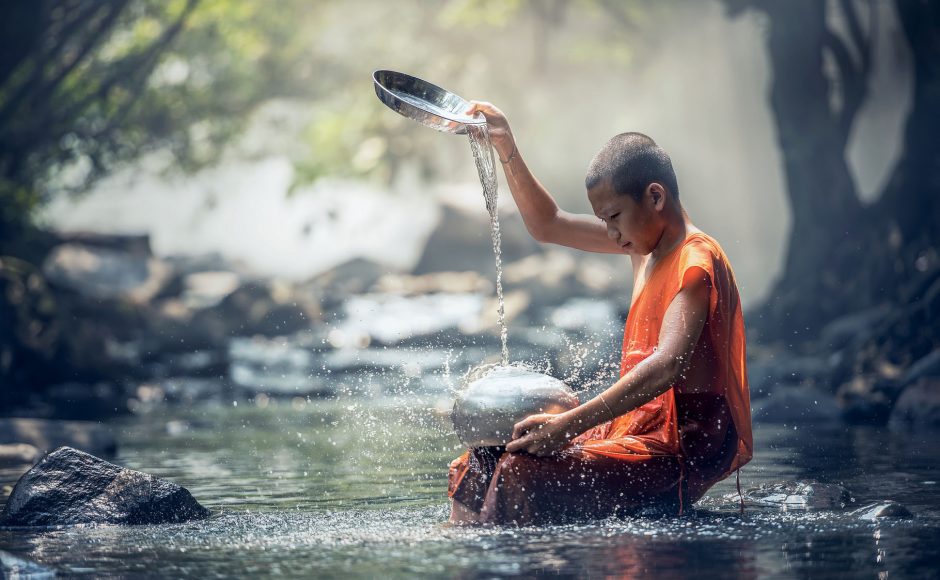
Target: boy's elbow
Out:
[542,231]
[674,369]
[540,234]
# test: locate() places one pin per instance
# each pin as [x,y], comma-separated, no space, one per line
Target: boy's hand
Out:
[542,435]
[498,125]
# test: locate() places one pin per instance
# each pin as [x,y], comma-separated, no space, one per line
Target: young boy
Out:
[678,420]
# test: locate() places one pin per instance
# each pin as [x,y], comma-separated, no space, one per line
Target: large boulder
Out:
[71,487]
[918,407]
[853,328]
[47,435]
[355,276]
[268,309]
[100,273]
[462,242]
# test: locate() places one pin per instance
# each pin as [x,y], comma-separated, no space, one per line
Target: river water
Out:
[357,487]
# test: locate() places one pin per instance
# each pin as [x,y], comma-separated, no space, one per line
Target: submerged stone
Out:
[71,487]
[883,509]
[799,495]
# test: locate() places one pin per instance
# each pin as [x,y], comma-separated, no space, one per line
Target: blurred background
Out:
[203,199]
[223,261]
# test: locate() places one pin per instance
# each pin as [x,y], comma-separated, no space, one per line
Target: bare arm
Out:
[543,218]
[545,434]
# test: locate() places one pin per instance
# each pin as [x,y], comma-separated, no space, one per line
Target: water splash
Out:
[486,167]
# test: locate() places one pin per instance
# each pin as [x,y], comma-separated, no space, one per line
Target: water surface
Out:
[358,487]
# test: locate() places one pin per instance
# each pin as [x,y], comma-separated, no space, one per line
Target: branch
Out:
[44,90]
[24,24]
[854,82]
[142,61]
[862,42]
[50,127]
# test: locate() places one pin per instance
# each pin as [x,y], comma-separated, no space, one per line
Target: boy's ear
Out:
[656,194]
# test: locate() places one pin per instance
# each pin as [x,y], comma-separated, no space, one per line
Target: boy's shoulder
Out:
[702,249]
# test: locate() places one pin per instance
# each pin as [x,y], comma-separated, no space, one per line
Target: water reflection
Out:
[356,487]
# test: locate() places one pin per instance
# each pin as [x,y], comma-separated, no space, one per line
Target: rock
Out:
[855,327]
[864,400]
[268,309]
[461,241]
[768,372]
[796,405]
[391,319]
[47,435]
[14,567]
[194,363]
[883,509]
[133,244]
[355,276]
[927,366]
[558,275]
[30,329]
[84,402]
[210,262]
[594,316]
[205,289]
[18,454]
[71,487]
[106,274]
[799,495]
[918,407]
[447,282]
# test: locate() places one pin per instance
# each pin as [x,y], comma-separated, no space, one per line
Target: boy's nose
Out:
[612,232]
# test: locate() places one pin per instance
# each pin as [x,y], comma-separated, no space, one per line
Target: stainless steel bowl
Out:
[487,408]
[426,103]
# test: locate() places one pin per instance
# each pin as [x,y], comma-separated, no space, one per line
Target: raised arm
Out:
[543,218]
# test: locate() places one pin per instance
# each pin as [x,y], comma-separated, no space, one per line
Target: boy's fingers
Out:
[522,427]
[481,107]
[516,445]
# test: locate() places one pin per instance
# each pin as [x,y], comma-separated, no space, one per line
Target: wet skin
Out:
[646,229]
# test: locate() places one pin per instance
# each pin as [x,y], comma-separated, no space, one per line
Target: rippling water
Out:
[357,487]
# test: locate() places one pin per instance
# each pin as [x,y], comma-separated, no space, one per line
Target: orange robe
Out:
[666,452]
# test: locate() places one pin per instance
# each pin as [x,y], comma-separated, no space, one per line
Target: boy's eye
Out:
[613,217]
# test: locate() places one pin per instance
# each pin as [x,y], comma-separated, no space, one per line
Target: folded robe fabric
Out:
[668,451]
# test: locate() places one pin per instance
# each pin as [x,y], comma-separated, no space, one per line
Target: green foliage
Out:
[88,86]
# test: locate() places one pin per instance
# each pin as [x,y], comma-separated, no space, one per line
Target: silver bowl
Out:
[487,408]
[423,102]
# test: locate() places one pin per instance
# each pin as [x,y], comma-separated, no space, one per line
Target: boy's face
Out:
[636,226]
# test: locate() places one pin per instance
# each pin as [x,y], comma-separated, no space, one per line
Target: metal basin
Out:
[487,408]
[424,102]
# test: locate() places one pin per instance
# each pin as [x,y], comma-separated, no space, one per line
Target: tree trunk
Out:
[842,257]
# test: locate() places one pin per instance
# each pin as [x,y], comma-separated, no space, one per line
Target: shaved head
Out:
[631,161]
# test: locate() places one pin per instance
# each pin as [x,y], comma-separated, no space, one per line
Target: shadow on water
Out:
[358,487]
